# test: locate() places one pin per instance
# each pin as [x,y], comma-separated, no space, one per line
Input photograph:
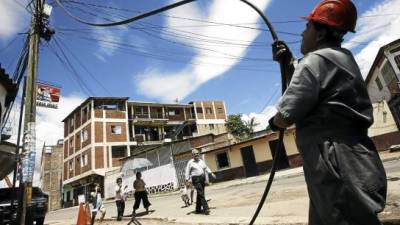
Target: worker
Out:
[328,102]
[195,172]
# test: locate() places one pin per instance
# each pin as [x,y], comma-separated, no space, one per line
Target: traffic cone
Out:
[82,215]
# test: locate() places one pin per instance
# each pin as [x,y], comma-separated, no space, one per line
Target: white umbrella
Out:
[136,163]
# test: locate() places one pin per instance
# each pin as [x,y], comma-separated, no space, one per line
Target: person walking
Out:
[97,204]
[195,172]
[140,194]
[328,102]
[119,199]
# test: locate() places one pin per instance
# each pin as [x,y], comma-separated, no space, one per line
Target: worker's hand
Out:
[213,175]
[280,51]
[272,125]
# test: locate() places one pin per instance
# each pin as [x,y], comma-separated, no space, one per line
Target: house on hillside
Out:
[384,90]
[251,157]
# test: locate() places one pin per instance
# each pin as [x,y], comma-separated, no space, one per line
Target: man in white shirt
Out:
[195,171]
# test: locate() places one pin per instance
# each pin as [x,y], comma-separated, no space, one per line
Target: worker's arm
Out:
[298,100]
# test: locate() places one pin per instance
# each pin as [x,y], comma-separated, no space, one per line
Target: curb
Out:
[391,221]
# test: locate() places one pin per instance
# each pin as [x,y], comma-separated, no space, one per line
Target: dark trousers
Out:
[199,184]
[120,208]
[139,196]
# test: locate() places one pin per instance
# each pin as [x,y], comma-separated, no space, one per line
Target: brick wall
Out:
[206,107]
[99,157]
[116,114]
[98,113]
[219,105]
[384,141]
[65,171]
[111,137]
[77,119]
[65,149]
[98,134]
[77,141]
[77,165]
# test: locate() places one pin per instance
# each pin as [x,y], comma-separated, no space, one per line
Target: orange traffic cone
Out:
[83,215]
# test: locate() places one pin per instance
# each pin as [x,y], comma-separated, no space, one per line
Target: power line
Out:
[85,68]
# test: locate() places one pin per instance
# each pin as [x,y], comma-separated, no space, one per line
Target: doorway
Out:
[283,162]
[249,161]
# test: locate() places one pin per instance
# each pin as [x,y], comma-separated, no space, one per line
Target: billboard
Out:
[47,95]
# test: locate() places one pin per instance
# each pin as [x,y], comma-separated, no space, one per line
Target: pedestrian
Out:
[195,172]
[328,102]
[119,199]
[140,194]
[97,204]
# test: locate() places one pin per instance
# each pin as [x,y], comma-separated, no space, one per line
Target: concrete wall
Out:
[383,120]
[262,154]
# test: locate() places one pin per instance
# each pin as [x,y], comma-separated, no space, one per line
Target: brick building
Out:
[51,174]
[103,130]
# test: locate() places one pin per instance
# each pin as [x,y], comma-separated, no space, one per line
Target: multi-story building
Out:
[103,130]
[384,90]
[51,174]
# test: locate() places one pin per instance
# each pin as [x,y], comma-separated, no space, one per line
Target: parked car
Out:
[38,209]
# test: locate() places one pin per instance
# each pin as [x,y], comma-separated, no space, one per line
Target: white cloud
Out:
[13,18]
[49,128]
[378,26]
[261,119]
[167,86]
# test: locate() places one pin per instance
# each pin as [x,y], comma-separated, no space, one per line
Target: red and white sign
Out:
[47,95]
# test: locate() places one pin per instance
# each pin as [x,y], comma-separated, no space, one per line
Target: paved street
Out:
[287,203]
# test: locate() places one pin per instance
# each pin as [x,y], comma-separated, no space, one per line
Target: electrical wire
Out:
[84,67]
[159,10]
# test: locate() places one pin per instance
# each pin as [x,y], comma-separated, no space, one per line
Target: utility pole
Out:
[29,138]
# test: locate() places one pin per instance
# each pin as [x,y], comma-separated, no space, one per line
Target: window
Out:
[118,151]
[397,60]
[84,160]
[199,110]
[208,110]
[387,73]
[141,110]
[211,126]
[222,160]
[71,143]
[84,135]
[71,165]
[116,129]
[71,122]
[220,110]
[378,83]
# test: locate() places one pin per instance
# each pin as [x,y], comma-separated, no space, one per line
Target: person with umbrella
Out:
[140,193]
[195,171]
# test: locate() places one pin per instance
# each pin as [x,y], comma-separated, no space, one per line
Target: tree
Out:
[239,128]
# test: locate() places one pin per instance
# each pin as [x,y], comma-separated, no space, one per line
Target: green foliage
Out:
[239,128]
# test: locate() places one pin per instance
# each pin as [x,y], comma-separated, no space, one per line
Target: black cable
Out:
[162,9]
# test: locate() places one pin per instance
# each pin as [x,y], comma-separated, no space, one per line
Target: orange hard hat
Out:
[341,14]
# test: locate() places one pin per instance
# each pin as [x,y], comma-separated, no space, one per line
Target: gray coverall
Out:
[328,101]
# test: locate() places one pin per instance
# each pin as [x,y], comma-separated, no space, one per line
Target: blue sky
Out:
[211,49]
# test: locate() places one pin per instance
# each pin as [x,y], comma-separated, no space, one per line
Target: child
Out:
[98,205]
[140,193]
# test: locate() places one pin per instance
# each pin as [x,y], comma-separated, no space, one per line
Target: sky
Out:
[206,50]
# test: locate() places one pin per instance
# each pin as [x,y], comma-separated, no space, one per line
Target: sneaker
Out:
[207,212]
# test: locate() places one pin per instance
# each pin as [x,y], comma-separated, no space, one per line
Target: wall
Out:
[262,154]
[383,120]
